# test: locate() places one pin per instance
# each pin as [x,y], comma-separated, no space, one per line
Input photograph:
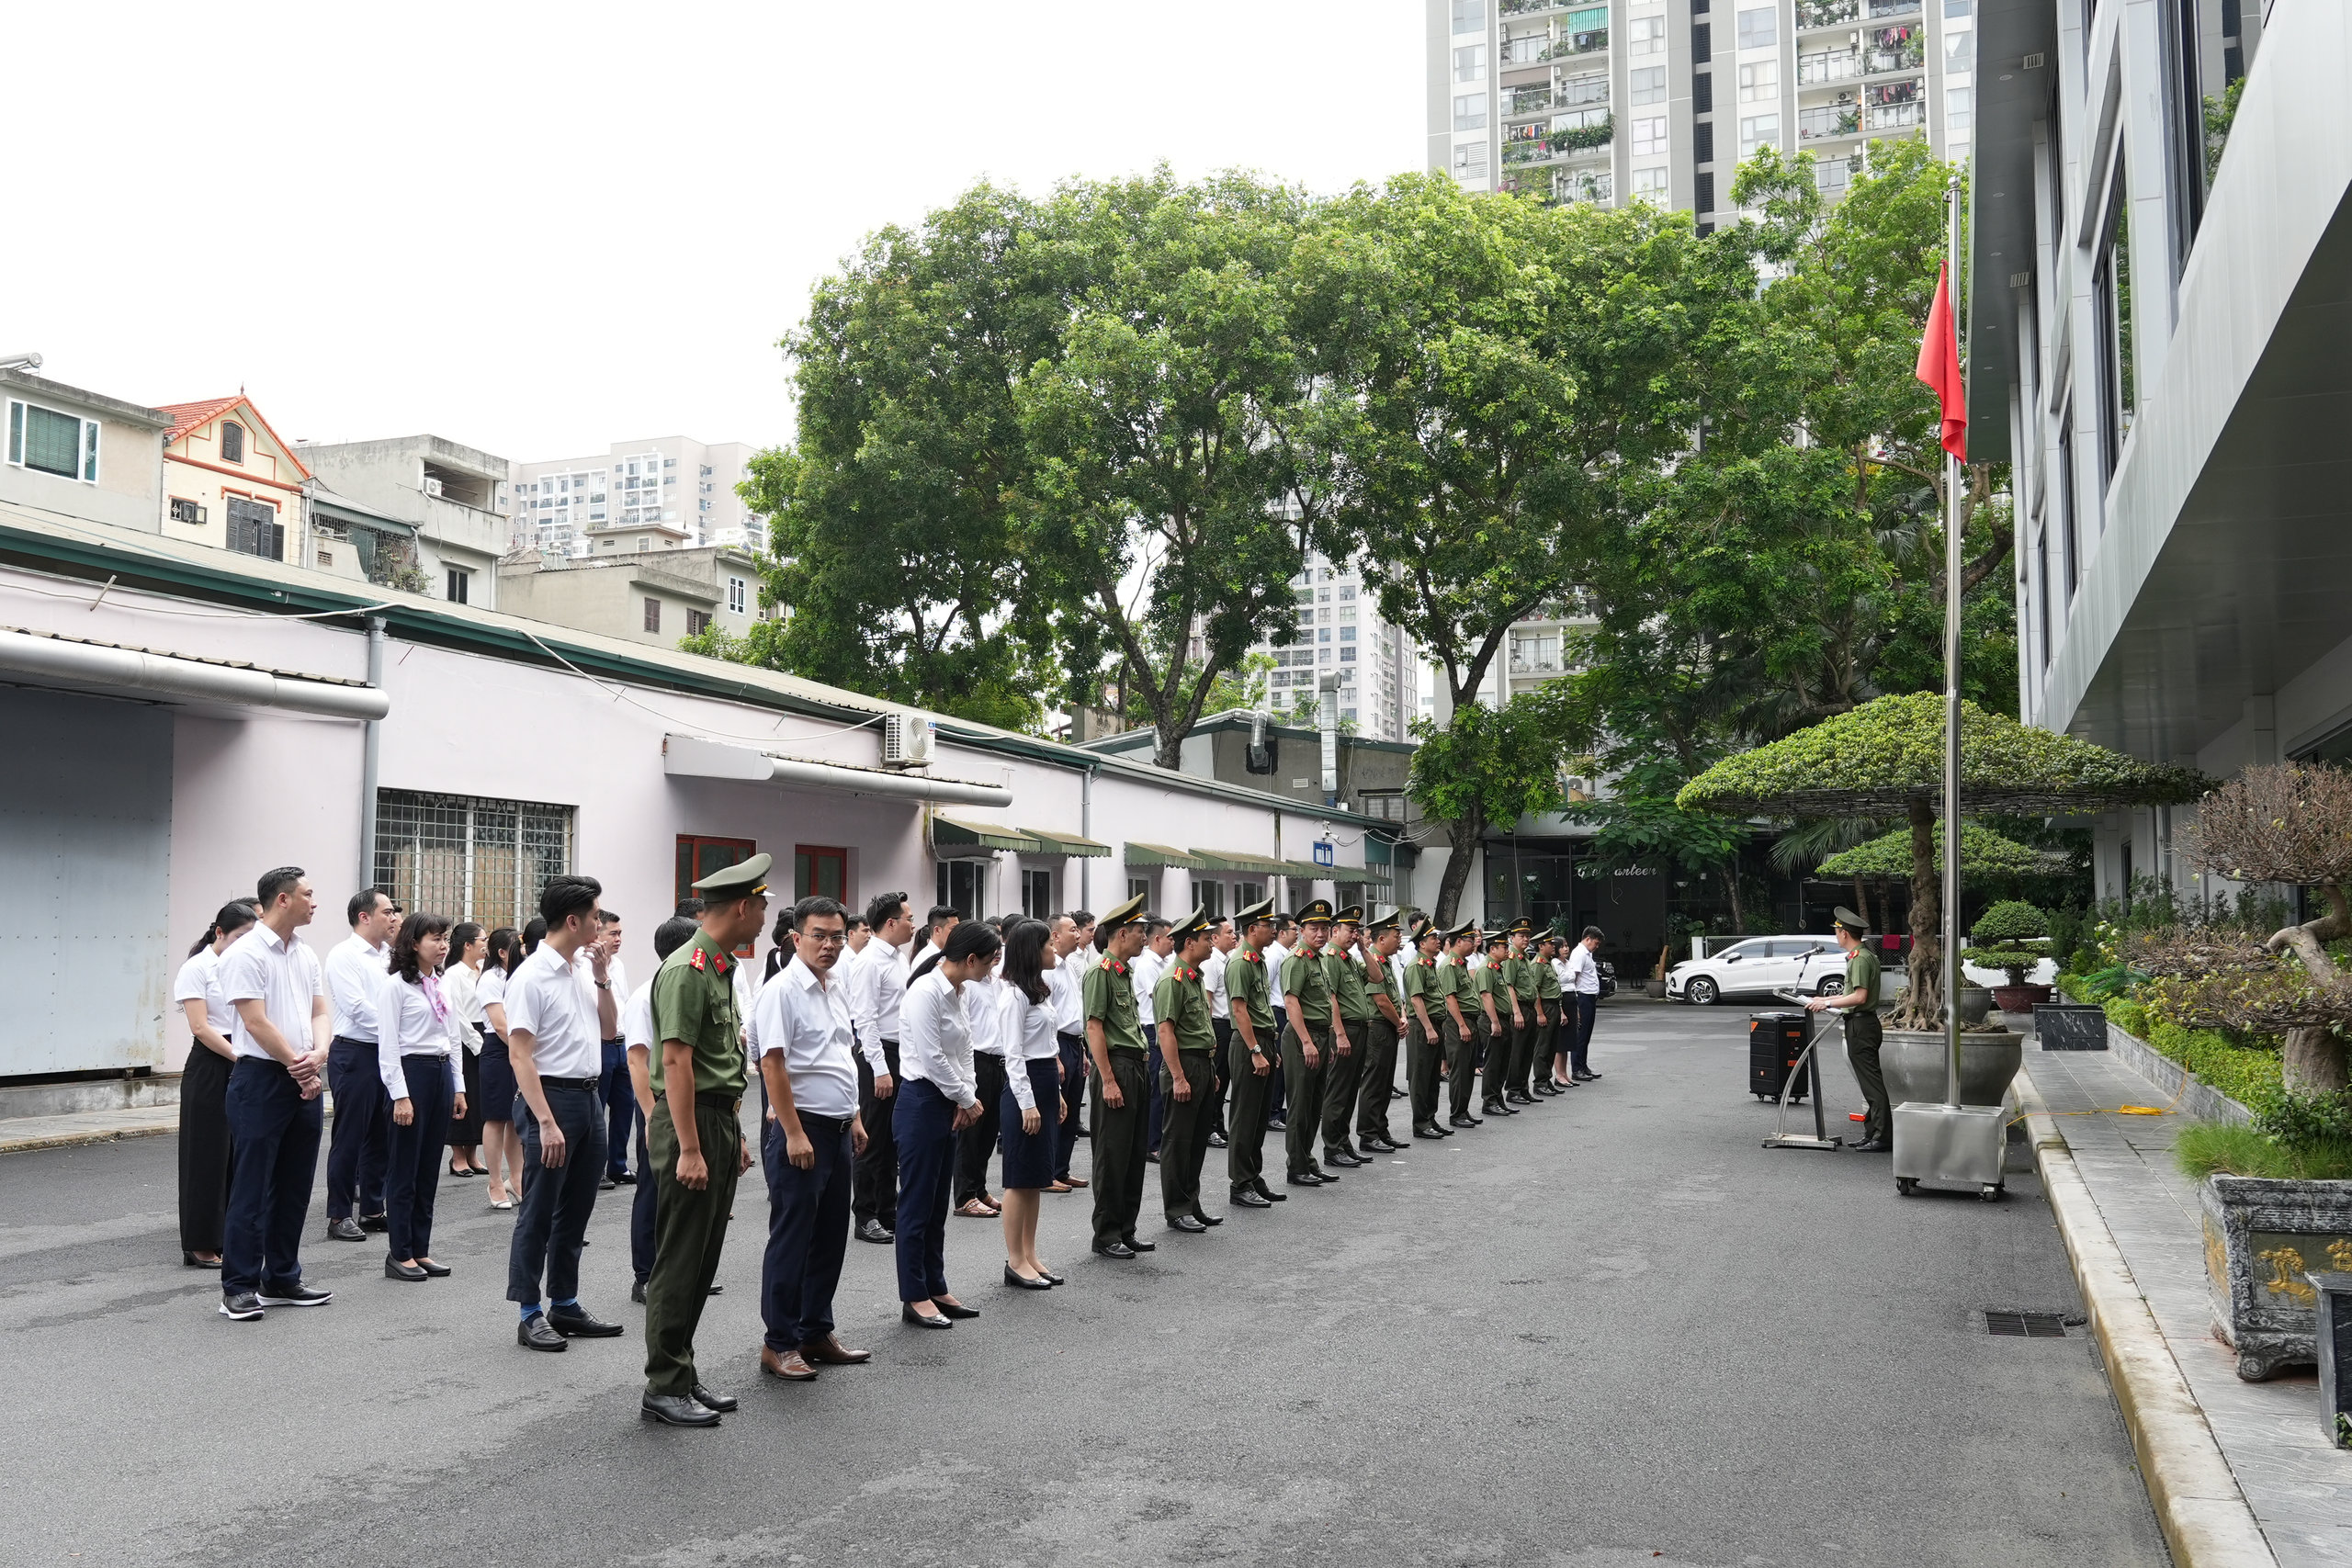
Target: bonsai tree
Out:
[2292,823]
[1886,759]
[2010,936]
[1888,859]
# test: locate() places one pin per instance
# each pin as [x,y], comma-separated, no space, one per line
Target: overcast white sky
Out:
[539,228]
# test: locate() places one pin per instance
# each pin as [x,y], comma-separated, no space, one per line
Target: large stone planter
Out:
[2263,1241]
[1913,1061]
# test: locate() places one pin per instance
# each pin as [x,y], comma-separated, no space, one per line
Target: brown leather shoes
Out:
[830,1352]
[790,1366]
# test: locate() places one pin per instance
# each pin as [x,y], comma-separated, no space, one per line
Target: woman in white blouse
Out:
[1032,1081]
[936,1098]
[417,1055]
[204,1087]
[501,1149]
[461,988]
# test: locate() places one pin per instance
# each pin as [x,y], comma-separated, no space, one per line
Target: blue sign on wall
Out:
[1322,854]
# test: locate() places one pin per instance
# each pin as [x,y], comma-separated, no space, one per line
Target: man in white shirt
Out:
[803,1042]
[1221,943]
[1153,962]
[1066,985]
[613,1085]
[557,1021]
[362,1149]
[1582,989]
[279,992]
[875,984]
[1277,954]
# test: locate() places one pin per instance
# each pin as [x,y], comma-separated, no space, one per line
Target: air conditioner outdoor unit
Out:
[433,487]
[907,740]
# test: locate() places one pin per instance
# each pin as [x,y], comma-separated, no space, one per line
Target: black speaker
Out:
[1775,1041]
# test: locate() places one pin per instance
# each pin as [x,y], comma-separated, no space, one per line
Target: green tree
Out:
[1486,765]
[1161,498]
[1494,373]
[1638,824]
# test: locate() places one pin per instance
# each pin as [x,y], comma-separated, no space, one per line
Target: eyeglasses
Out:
[833,939]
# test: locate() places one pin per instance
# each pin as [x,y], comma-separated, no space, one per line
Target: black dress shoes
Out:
[1208,1218]
[1216,1140]
[1249,1197]
[1429,1129]
[1133,1245]
[1051,1278]
[1461,1121]
[872,1230]
[433,1270]
[1343,1157]
[675,1409]
[1021,1281]
[244,1306]
[577,1324]
[637,1293]
[1872,1146]
[1113,1249]
[1515,1097]
[907,1313]
[1269,1194]
[396,1269]
[1584,1077]
[955,1309]
[534,1334]
[1306,1179]
[193,1261]
[375,1224]
[1188,1225]
[345,1229]
[712,1400]
[294,1295]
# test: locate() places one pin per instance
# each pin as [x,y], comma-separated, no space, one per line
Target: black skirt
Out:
[1030,1157]
[496,1077]
[465,1131]
[204,1149]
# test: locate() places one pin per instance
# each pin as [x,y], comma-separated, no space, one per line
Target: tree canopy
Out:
[1981,851]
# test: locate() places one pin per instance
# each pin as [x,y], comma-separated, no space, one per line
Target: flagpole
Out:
[1951,688]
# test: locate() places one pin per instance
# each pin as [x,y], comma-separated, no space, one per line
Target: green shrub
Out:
[2302,1120]
[2205,1149]
[2247,1071]
[2007,922]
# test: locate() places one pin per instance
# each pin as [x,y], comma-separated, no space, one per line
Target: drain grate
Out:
[2024,1324]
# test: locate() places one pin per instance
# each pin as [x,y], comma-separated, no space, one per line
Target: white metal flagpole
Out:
[1951,692]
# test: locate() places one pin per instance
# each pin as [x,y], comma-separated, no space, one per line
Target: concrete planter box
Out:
[1913,1061]
[2264,1240]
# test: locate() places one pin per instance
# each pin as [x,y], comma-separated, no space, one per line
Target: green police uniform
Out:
[1181,1003]
[1378,1045]
[693,1003]
[1524,987]
[1457,981]
[1248,995]
[1547,1036]
[1352,1002]
[1120,1133]
[1503,1050]
[1306,982]
[1425,1047]
[1863,1038]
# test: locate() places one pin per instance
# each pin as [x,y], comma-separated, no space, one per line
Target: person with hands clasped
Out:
[1028,1135]
[1121,1100]
[1187,1075]
[937,1099]
[1306,1050]
[419,1063]
[1249,1002]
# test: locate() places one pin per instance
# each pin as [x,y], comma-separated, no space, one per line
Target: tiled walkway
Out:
[2301,1489]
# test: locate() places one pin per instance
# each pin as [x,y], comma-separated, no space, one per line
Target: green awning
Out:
[1309,871]
[1160,854]
[1254,865]
[946,833]
[1066,844]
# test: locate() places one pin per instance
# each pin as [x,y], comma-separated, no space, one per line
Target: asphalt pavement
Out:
[1613,1331]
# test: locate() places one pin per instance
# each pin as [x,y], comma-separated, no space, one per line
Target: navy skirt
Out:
[1030,1157]
[497,1079]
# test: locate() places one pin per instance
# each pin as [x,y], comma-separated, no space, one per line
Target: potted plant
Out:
[2010,936]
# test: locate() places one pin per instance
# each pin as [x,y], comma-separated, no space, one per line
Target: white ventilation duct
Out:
[166,678]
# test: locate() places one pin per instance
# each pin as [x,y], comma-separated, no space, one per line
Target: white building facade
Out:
[1341,631]
[673,485]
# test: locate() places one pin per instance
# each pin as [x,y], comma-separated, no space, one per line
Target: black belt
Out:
[586,1084]
[719,1100]
[839,1123]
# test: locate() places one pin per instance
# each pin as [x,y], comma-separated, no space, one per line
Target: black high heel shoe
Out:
[907,1313]
[1021,1281]
[1051,1278]
[190,1261]
[954,1309]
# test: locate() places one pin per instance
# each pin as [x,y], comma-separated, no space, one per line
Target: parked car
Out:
[1608,978]
[1760,965]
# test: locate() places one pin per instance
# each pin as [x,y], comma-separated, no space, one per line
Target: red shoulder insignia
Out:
[695,961]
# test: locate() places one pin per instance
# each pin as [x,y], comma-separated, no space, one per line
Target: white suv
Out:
[1760,965]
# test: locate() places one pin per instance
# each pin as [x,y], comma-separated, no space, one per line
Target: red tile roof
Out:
[187,417]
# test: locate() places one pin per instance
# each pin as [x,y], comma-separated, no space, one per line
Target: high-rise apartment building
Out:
[672,488]
[1340,629]
[1609,100]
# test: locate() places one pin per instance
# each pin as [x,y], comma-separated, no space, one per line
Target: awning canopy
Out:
[1160,854]
[953,840]
[692,757]
[1254,865]
[1060,844]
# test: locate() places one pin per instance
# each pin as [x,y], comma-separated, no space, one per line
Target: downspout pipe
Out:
[371,755]
[1086,829]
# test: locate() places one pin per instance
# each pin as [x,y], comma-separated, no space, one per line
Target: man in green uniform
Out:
[1498,1009]
[1426,1022]
[1187,1074]
[1518,971]
[1120,1125]
[1249,998]
[1306,1049]
[695,1136]
[1378,1039]
[1343,970]
[1863,1034]
[1459,997]
[1548,1004]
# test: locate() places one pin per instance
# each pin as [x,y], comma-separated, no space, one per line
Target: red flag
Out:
[1939,368]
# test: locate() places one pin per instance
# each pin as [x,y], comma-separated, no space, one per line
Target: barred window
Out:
[467,858]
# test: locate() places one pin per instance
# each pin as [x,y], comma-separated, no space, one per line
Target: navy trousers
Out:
[416,1171]
[619,1095]
[924,1123]
[553,1219]
[873,1192]
[277,1137]
[363,1123]
[1074,1095]
[1586,1004]
[807,1232]
[640,1212]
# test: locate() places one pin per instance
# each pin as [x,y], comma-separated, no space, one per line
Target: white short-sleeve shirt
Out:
[284,977]
[556,1001]
[199,981]
[808,1023]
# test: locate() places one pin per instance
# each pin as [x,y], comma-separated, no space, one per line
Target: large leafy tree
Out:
[1486,765]
[892,526]
[1496,377]
[1164,500]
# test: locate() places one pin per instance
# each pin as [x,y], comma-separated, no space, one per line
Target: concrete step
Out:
[75,1096]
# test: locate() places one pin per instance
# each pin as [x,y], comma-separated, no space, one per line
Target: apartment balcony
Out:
[1830,121]
[1525,101]
[1829,65]
[1528,8]
[1895,117]
[1575,45]
[1814,14]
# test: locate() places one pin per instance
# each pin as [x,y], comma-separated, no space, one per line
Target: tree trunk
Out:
[1461,839]
[2313,1060]
[1863,903]
[1925,1008]
[1731,883]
